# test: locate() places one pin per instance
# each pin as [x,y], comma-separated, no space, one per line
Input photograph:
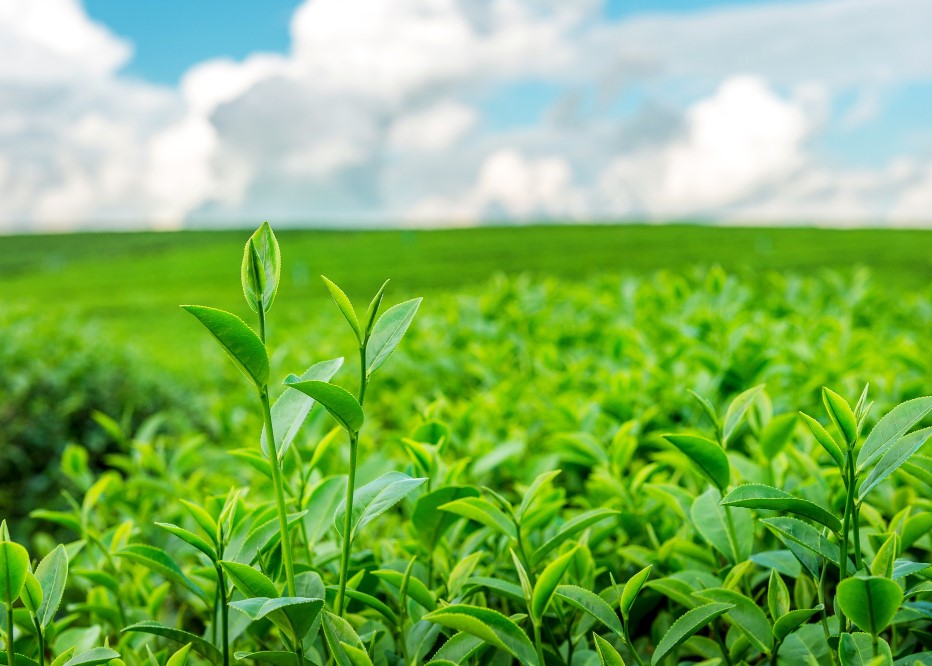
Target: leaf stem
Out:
[224,615]
[347,525]
[11,655]
[627,637]
[846,524]
[538,644]
[40,637]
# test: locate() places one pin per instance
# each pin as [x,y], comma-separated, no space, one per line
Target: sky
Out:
[422,113]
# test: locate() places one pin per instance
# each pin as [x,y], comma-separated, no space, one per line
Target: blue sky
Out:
[436,112]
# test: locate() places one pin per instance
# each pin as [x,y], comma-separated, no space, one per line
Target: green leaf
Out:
[180,658]
[343,303]
[538,485]
[387,333]
[608,655]
[301,612]
[339,635]
[869,602]
[261,268]
[430,523]
[370,601]
[160,562]
[685,627]
[858,650]
[592,604]
[52,573]
[547,582]
[711,521]
[489,625]
[375,498]
[416,589]
[788,622]
[198,644]
[709,457]
[373,310]
[99,655]
[31,594]
[896,423]
[882,565]
[291,409]
[793,530]
[736,411]
[14,564]
[760,496]
[191,539]
[893,458]
[274,657]
[250,582]
[746,615]
[203,519]
[839,411]
[338,401]
[629,592]
[484,512]
[570,529]
[825,440]
[239,341]
[776,434]
[778,596]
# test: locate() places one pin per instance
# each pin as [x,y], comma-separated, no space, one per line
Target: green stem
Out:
[11,655]
[846,524]
[224,615]
[351,488]
[347,525]
[627,637]
[41,639]
[275,465]
[822,615]
[538,644]
[721,642]
[857,536]
[732,534]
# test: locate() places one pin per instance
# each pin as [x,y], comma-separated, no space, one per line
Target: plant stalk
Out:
[627,637]
[347,525]
[11,655]
[538,644]
[846,525]
[40,637]
[224,615]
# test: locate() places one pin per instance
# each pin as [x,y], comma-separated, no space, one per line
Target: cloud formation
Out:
[380,114]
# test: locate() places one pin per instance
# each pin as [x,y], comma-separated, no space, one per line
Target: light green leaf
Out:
[291,409]
[489,625]
[261,268]
[608,655]
[711,521]
[889,429]
[198,644]
[776,434]
[14,564]
[191,539]
[788,622]
[416,589]
[430,523]
[484,512]
[239,341]
[857,649]
[825,440]
[52,573]
[250,582]
[31,594]
[180,658]
[746,615]
[301,612]
[387,333]
[709,457]
[895,455]
[160,562]
[338,401]
[375,498]
[839,411]
[591,603]
[736,411]
[570,529]
[685,627]
[631,589]
[869,602]
[547,582]
[760,496]
[99,655]
[345,306]
[778,596]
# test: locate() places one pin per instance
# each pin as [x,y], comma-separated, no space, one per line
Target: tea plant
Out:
[540,491]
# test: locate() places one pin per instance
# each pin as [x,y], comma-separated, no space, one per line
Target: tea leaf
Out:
[736,412]
[261,268]
[745,614]
[547,582]
[708,456]
[198,644]
[343,303]
[338,401]
[387,333]
[482,511]
[239,341]
[429,521]
[685,627]
[52,573]
[14,564]
[776,434]
[839,411]
[99,655]
[374,499]
[825,440]
[760,496]
[889,429]
[869,602]
[591,603]
[489,625]
[631,589]
[858,650]
[608,656]
[788,622]
[894,456]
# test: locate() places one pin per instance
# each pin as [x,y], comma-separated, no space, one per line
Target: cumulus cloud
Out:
[379,114]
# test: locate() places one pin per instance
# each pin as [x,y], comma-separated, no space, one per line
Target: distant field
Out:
[131,284]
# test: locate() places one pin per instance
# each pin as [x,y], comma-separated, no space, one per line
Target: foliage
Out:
[527,479]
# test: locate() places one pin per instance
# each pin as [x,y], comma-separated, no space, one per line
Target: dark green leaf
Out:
[893,458]
[198,644]
[338,401]
[746,615]
[760,496]
[889,429]
[709,457]
[489,625]
[685,627]
[869,602]
[51,573]
[239,341]
[788,622]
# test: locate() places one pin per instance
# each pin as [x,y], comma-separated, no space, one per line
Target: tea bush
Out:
[544,473]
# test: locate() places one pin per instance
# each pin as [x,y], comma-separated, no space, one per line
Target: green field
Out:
[130,284]
[586,446]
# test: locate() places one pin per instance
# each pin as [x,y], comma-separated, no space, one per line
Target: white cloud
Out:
[377,114]
[434,128]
